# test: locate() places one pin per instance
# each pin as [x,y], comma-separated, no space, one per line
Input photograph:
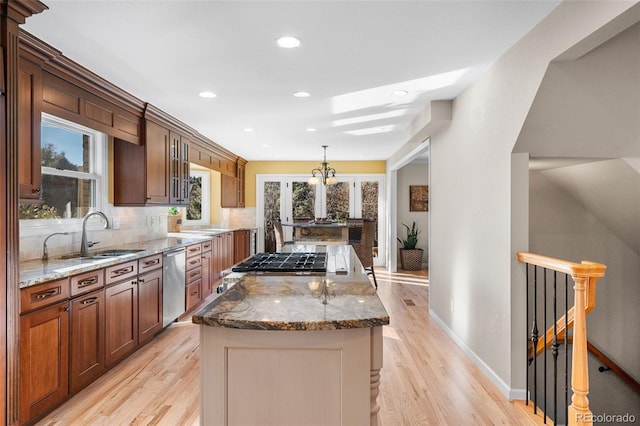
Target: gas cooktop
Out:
[284,262]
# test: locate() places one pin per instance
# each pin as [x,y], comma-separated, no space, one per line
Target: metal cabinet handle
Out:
[122,271]
[140,280]
[46,294]
[89,301]
[152,262]
[88,281]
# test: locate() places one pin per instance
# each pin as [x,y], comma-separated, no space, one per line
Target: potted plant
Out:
[174,219]
[410,256]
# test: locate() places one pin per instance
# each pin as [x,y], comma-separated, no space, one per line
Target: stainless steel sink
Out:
[102,254]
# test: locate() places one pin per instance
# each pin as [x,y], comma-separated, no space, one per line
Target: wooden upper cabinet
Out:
[240,173]
[228,191]
[232,187]
[157,151]
[178,169]
[29,119]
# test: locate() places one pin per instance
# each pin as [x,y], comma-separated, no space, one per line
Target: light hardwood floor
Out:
[426,378]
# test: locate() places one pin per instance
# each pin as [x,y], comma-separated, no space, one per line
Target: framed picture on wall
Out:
[419,198]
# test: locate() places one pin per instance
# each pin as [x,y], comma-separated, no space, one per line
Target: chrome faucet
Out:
[84,244]
[45,252]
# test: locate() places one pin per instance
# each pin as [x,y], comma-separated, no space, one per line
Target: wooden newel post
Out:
[579,413]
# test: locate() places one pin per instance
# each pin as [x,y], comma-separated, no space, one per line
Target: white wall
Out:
[472,242]
[412,174]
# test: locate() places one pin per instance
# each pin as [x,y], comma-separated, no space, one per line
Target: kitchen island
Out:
[294,349]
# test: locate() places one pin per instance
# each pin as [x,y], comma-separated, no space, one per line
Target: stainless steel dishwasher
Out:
[173,285]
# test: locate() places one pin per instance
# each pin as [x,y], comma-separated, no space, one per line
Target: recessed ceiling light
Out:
[302,94]
[311,129]
[288,42]
[264,145]
[248,129]
[400,93]
[207,94]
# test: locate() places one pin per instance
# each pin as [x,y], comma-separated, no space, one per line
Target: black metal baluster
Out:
[554,348]
[527,351]
[544,352]
[534,339]
[566,348]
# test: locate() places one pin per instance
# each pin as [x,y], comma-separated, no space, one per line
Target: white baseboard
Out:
[505,390]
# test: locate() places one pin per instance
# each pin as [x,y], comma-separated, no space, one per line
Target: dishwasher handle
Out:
[172,253]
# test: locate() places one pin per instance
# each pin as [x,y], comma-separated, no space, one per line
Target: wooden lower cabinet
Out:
[241,245]
[122,320]
[194,294]
[207,270]
[87,339]
[149,305]
[44,360]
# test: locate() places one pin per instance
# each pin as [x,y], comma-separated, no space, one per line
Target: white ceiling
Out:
[353,55]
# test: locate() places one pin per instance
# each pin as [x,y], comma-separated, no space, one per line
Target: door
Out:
[290,198]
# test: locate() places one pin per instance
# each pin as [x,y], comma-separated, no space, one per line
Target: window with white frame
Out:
[73,171]
[198,211]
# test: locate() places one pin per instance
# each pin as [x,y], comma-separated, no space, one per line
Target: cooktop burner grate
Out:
[284,262]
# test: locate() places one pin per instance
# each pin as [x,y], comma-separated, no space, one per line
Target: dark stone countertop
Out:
[295,302]
[38,271]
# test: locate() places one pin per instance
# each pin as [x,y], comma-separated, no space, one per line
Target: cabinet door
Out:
[178,169]
[240,245]
[194,294]
[44,360]
[228,191]
[149,305]
[241,182]
[216,264]
[229,250]
[87,339]
[121,320]
[207,282]
[29,118]
[157,163]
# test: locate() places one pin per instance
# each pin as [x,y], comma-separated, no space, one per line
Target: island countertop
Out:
[300,302]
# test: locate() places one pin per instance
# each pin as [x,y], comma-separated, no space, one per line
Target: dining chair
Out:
[279,233]
[364,248]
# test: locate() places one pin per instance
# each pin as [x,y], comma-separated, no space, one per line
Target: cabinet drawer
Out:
[206,245]
[193,262]
[194,249]
[86,282]
[150,263]
[193,274]
[37,296]
[121,272]
[194,294]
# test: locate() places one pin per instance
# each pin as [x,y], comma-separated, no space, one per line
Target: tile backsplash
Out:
[127,225]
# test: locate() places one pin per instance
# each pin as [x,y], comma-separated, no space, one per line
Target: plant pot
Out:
[174,223]
[411,259]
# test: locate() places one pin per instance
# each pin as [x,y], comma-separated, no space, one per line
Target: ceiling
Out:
[353,55]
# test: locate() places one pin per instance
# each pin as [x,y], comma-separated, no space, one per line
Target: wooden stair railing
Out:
[584,275]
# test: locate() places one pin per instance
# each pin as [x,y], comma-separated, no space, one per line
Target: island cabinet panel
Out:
[87,339]
[122,320]
[44,360]
[29,118]
[288,377]
[149,305]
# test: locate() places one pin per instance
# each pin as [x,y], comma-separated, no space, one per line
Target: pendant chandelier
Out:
[324,174]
